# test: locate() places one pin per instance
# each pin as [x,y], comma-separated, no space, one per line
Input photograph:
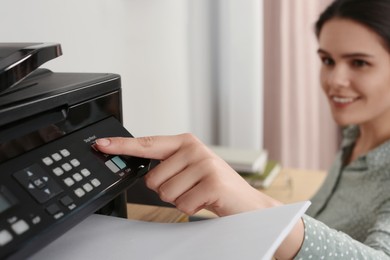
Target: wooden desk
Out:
[290,186]
[155,213]
[293,185]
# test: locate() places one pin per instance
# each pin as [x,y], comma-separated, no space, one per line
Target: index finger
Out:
[153,147]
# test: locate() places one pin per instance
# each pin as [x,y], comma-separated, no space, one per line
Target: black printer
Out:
[51,177]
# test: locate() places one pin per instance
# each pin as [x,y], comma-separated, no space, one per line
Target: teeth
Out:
[343,99]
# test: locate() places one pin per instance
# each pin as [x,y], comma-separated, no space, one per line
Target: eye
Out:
[327,61]
[359,63]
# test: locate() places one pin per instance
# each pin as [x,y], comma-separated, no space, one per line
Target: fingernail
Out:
[103,142]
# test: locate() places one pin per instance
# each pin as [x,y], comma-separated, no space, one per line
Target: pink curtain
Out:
[298,128]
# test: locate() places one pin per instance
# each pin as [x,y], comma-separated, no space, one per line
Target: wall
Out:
[169,54]
[226,79]
[145,41]
[241,73]
[299,130]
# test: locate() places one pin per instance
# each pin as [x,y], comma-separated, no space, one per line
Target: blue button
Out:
[119,162]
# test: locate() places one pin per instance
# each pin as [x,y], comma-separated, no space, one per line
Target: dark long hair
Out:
[374,14]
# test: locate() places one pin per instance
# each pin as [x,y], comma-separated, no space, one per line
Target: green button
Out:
[119,162]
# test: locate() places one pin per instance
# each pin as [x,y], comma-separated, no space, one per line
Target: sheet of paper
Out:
[251,235]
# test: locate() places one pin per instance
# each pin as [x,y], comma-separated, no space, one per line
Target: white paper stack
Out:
[250,235]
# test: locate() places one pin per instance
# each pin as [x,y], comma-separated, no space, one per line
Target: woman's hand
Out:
[190,176]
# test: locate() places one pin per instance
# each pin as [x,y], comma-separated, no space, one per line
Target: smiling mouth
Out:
[343,100]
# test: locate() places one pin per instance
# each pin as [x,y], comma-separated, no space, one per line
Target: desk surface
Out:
[293,185]
[289,186]
[154,213]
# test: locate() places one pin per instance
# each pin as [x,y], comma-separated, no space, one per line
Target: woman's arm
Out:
[322,242]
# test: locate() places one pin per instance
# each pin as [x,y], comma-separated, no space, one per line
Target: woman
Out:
[350,216]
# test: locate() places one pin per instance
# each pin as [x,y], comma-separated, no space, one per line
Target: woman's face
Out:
[355,73]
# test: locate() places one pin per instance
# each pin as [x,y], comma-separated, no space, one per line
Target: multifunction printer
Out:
[51,176]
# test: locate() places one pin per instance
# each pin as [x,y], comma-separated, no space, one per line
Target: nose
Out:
[337,77]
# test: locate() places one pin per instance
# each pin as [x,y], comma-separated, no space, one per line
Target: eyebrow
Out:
[348,55]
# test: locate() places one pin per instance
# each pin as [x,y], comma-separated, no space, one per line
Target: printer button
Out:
[47,161]
[5,237]
[66,166]
[75,162]
[39,183]
[69,181]
[56,157]
[20,227]
[79,192]
[77,177]
[119,162]
[58,171]
[65,152]
[66,201]
[112,166]
[85,172]
[95,182]
[53,209]
[88,187]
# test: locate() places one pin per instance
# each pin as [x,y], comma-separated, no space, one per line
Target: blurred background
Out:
[239,73]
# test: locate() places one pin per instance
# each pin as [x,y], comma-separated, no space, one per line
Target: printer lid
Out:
[18,60]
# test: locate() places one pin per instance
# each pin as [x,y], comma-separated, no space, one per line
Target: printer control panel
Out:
[50,189]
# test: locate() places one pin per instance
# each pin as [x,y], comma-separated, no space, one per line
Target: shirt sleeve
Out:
[322,242]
